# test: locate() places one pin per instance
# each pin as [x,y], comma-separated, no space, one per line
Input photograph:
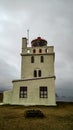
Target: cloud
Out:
[7,74]
[50,19]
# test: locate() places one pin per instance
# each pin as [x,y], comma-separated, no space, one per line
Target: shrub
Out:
[34,113]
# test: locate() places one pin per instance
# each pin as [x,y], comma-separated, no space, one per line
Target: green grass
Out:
[56,118]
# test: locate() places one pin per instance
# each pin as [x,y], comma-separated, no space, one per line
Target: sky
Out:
[50,19]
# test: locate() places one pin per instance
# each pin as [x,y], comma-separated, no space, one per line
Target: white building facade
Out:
[37,83]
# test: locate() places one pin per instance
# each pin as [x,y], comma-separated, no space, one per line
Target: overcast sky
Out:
[50,19]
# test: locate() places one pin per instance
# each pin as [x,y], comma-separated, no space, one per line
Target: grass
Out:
[56,118]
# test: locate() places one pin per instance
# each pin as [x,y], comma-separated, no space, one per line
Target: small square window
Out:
[23,92]
[43,92]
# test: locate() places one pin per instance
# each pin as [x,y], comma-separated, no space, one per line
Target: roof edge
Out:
[19,80]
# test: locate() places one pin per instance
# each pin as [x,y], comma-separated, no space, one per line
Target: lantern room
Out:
[38,42]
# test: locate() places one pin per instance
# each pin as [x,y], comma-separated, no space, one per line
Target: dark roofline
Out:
[38,39]
[34,79]
[29,54]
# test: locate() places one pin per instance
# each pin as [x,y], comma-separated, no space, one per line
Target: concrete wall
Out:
[27,68]
[33,84]
[27,50]
[7,97]
[33,97]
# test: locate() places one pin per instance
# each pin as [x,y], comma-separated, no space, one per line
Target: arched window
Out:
[32,59]
[42,59]
[34,51]
[40,50]
[28,51]
[35,73]
[46,50]
[39,73]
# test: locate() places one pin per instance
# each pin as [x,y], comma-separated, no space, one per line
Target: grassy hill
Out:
[56,118]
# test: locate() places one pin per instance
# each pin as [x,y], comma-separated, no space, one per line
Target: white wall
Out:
[27,68]
[7,97]
[33,97]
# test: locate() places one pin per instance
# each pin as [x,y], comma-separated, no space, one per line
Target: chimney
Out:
[24,42]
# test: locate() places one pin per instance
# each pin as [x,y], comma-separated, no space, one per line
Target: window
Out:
[39,73]
[35,73]
[42,59]
[28,51]
[46,50]
[40,50]
[32,59]
[23,92]
[43,92]
[34,51]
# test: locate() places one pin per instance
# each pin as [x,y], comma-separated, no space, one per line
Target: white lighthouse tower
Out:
[37,83]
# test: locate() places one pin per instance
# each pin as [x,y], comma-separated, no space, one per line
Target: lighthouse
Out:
[37,83]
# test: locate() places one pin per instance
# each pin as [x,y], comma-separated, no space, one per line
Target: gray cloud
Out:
[50,19]
[7,74]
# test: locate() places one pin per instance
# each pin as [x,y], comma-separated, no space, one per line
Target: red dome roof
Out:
[38,42]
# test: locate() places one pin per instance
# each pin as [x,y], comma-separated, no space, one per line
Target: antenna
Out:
[28,36]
